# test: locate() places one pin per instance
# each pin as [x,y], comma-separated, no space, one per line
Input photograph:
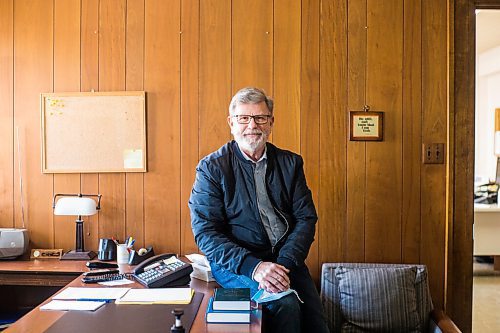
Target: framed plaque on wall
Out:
[366,126]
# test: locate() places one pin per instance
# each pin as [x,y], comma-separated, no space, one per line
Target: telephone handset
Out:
[163,270]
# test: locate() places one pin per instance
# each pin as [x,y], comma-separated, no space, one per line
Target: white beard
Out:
[248,145]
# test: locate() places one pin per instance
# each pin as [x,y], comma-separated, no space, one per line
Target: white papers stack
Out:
[157,296]
[83,299]
[91,294]
[72,305]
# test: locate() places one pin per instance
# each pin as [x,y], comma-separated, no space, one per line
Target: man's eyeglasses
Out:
[245,119]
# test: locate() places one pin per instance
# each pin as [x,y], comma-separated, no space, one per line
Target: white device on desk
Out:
[13,242]
[486,230]
[201,267]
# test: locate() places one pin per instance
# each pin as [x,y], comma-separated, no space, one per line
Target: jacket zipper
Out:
[286,231]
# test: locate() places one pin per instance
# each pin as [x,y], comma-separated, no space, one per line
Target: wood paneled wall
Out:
[318,58]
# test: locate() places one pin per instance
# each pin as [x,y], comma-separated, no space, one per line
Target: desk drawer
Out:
[37,279]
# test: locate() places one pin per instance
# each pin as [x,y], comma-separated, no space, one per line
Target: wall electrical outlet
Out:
[433,153]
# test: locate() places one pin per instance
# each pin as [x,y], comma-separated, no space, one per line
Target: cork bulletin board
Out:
[93,132]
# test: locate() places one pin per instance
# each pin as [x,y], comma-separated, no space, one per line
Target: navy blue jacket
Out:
[225,219]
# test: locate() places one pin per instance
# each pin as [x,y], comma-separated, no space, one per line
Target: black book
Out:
[231,299]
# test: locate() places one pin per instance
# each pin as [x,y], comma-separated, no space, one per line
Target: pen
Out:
[131,243]
[94,300]
[114,240]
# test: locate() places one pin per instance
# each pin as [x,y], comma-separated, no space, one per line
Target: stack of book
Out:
[229,305]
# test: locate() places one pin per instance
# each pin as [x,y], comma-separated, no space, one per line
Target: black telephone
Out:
[105,277]
[163,270]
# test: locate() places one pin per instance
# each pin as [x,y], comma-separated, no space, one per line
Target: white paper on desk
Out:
[72,305]
[116,282]
[157,296]
[75,293]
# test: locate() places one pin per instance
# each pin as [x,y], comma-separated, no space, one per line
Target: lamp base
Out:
[74,255]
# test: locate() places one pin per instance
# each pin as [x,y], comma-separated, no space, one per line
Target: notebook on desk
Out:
[127,318]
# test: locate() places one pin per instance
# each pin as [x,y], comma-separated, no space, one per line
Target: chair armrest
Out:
[444,323]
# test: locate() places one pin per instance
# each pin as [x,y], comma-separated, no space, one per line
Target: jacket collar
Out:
[245,156]
[237,151]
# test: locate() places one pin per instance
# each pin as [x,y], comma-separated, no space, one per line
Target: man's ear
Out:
[271,121]
[230,121]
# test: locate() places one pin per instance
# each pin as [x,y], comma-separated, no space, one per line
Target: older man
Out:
[253,216]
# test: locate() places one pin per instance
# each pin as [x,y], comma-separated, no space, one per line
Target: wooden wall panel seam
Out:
[67,73]
[162,78]
[189,116]
[383,92]
[412,125]
[421,126]
[53,84]
[434,112]
[8,129]
[309,111]
[356,151]
[179,110]
[112,76]
[33,71]
[89,69]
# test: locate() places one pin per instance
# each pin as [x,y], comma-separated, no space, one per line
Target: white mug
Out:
[122,254]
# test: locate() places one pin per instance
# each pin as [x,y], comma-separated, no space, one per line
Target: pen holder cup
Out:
[136,258]
[122,254]
[107,249]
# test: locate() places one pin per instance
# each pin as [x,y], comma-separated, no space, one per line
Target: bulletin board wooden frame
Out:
[93,132]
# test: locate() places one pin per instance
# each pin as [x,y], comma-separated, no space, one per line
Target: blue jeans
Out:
[286,314]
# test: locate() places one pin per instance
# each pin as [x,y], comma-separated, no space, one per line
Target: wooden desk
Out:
[51,273]
[39,321]
[25,284]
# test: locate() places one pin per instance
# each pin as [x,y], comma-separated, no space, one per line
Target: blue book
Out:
[222,317]
[232,299]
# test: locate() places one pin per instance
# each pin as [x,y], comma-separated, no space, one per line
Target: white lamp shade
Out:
[75,206]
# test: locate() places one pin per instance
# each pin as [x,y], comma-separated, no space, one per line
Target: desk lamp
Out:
[79,205]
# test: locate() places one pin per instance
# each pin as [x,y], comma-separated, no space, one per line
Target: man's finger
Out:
[284,276]
[270,287]
[278,282]
[281,285]
[278,267]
